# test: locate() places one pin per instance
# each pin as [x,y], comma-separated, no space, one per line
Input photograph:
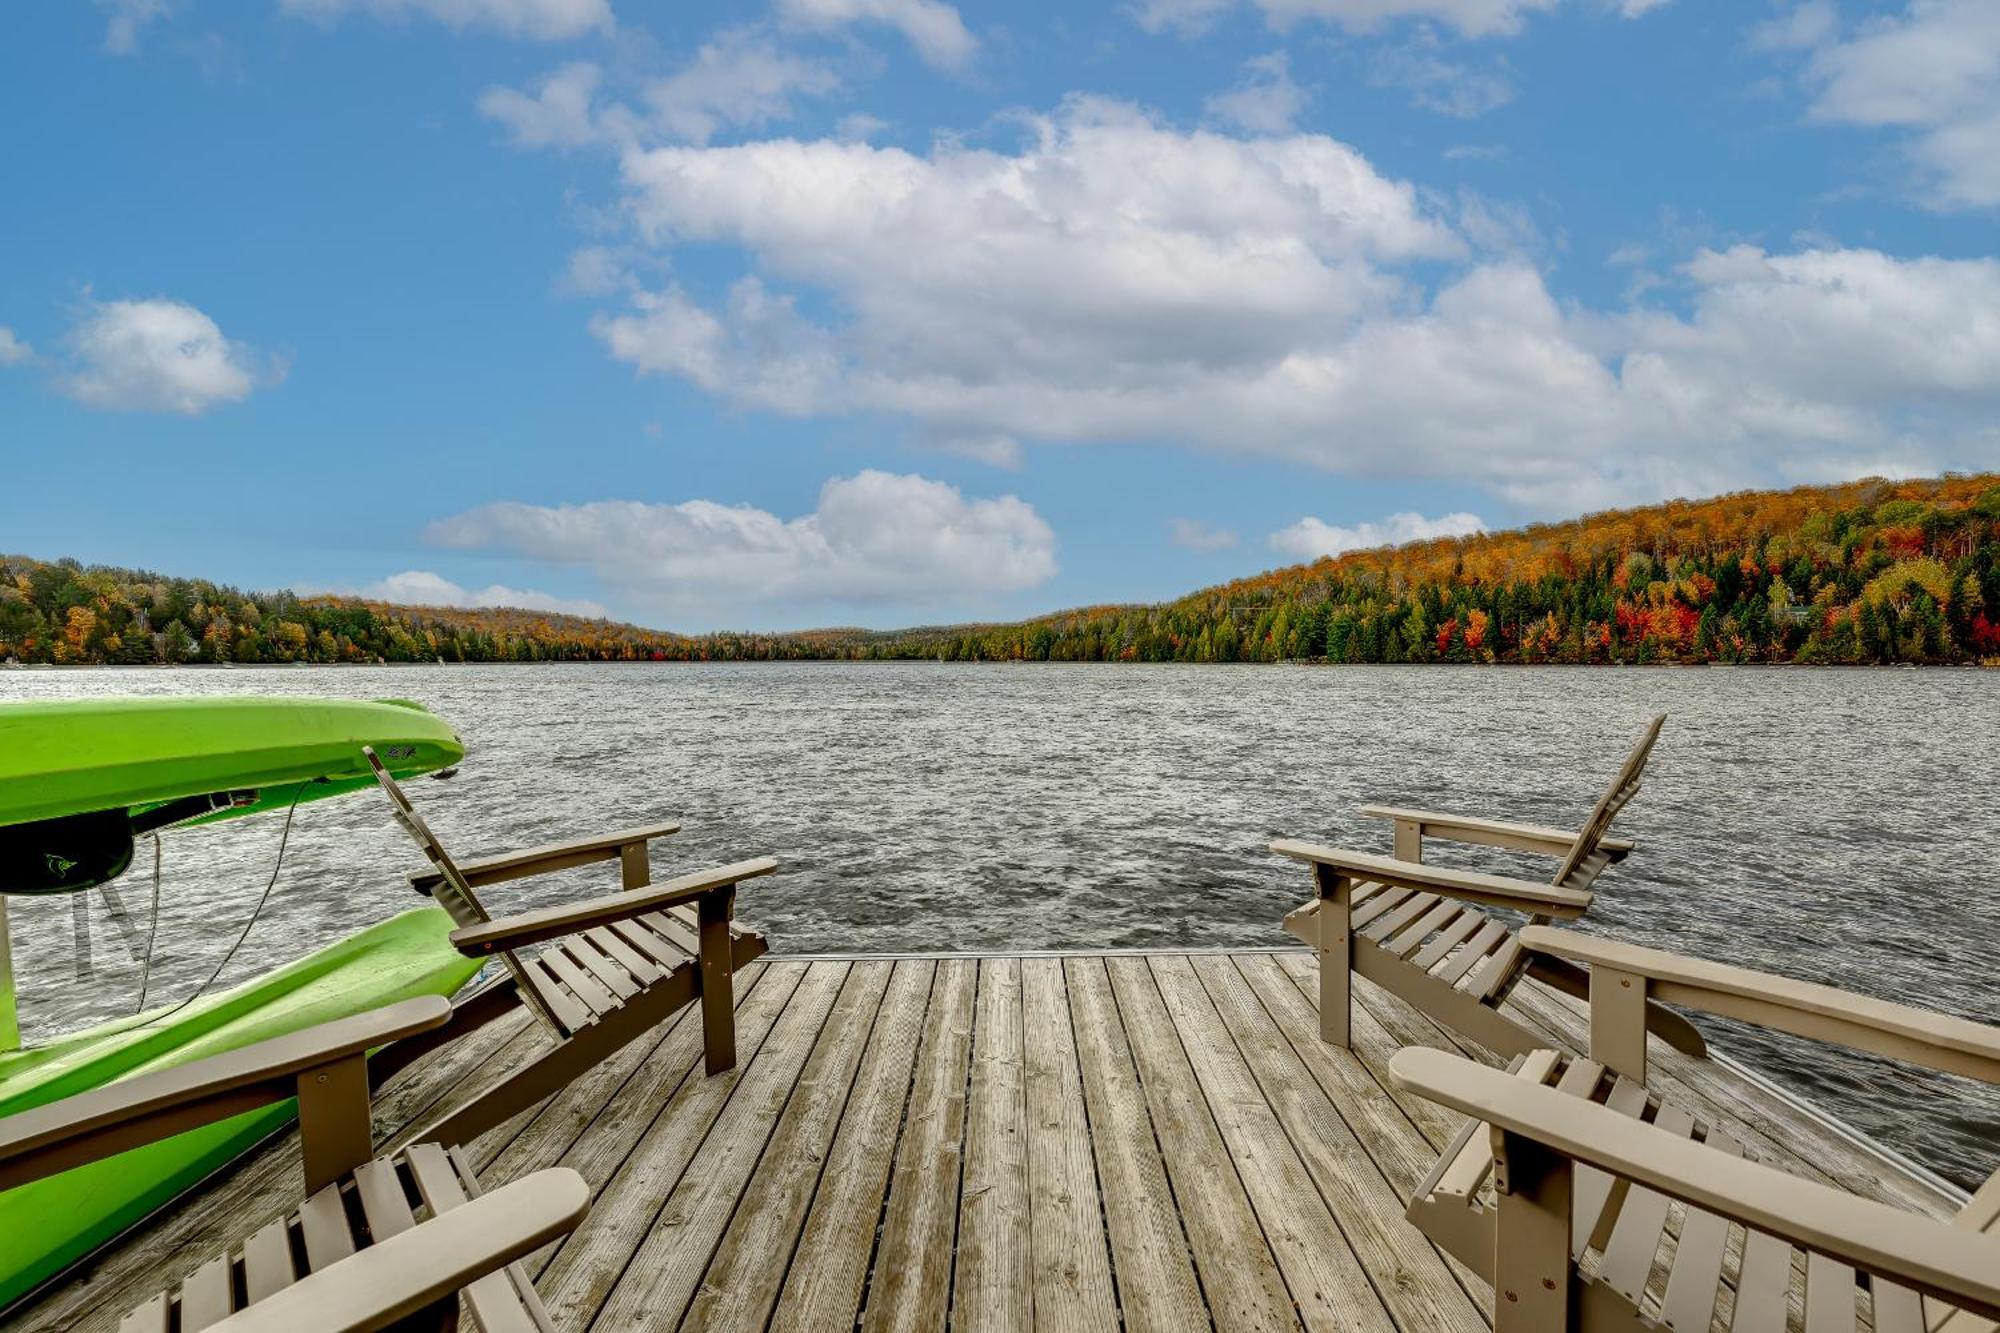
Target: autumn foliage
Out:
[1864,572]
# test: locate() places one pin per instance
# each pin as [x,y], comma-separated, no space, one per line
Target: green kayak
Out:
[79,779]
[78,756]
[51,1223]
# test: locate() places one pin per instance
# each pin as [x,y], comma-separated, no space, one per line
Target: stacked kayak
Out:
[78,781]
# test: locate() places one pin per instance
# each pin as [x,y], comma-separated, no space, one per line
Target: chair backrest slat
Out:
[453,892]
[1623,788]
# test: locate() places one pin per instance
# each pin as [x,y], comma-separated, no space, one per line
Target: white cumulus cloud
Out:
[421,587]
[1113,277]
[1931,71]
[935,29]
[873,537]
[157,355]
[1310,538]
[1107,261]
[12,350]
[542,20]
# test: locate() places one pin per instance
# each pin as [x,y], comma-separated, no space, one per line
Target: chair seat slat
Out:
[1895,1309]
[1394,920]
[1589,1186]
[633,960]
[267,1261]
[1830,1293]
[1376,905]
[1763,1287]
[608,971]
[678,928]
[383,1200]
[1391,922]
[1474,949]
[1596,1192]
[323,1222]
[588,990]
[1635,1239]
[148,1318]
[205,1296]
[495,1301]
[1497,974]
[548,984]
[1696,1278]
[1469,920]
[651,943]
[1405,941]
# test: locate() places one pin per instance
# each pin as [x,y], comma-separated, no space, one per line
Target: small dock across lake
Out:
[1083,1141]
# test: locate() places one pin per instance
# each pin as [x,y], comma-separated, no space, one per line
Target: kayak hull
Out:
[49,1224]
[73,756]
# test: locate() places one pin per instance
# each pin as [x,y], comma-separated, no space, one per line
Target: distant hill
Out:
[1863,572]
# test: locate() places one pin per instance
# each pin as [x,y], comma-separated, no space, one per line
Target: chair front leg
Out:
[336,1125]
[1336,955]
[718,1000]
[1531,1236]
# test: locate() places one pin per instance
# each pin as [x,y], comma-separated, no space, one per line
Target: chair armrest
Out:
[1803,1008]
[550,923]
[440,1256]
[1936,1258]
[109,1120]
[1469,885]
[1539,838]
[547,858]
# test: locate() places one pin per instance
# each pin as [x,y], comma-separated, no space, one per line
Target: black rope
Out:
[283,840]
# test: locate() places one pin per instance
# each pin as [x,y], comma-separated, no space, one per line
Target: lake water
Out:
[1837,825]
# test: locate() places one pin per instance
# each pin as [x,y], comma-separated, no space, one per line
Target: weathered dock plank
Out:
[990,1290]
[1156,1282]
[1036,1142]
[1071,1279]
[912,1280]
[829,1269]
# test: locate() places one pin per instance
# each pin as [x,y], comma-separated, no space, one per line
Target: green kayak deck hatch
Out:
[79,780]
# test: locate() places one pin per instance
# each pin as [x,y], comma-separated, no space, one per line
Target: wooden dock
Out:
[1063,1142]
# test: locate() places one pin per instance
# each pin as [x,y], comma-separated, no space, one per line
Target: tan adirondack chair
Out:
[615,967]
[1423,932]
[378,1240]
[1560,1190]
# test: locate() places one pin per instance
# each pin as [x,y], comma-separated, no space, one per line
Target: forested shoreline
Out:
[1868,572]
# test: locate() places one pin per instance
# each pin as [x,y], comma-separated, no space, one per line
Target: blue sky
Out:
[894,311]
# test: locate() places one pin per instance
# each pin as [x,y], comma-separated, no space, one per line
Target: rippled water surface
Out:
[1841,826]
